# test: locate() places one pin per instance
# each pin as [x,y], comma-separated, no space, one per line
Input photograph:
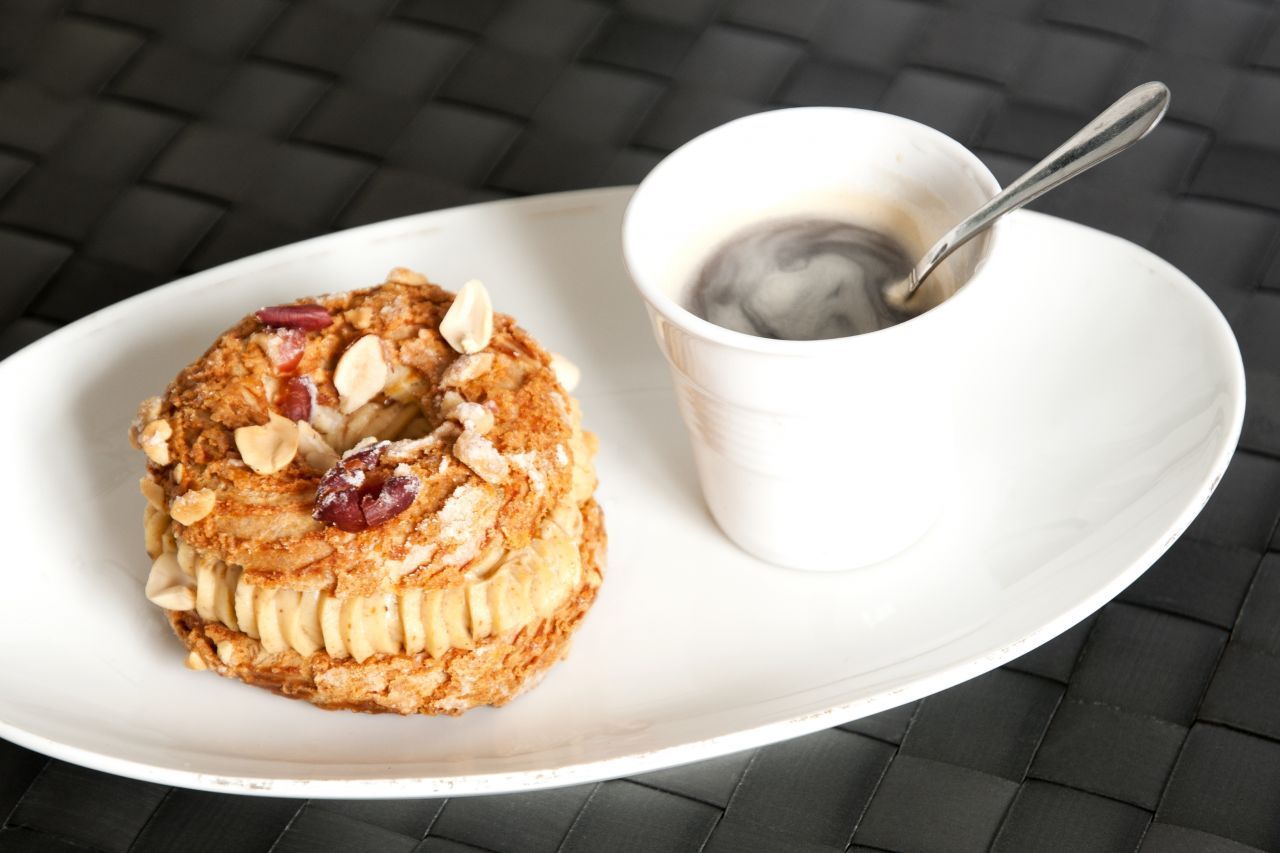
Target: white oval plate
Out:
[1105,401]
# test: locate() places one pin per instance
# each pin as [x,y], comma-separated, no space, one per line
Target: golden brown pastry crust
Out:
[493,673]
[264,522]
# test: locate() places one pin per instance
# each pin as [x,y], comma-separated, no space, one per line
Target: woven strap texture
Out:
[141,140]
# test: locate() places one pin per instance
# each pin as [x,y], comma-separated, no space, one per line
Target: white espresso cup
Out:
[815,454]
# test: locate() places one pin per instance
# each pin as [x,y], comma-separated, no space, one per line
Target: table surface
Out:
[141,140]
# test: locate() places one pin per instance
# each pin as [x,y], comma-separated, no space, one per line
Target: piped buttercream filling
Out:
[504,591]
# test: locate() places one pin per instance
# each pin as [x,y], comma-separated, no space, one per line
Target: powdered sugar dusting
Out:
[528,463]
[478,453]
[460,512]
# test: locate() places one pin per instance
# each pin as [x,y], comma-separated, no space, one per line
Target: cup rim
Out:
[682,317]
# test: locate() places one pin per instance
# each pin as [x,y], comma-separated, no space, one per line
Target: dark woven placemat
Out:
[144,139]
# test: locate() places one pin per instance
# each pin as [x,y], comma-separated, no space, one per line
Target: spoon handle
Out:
[1119,126]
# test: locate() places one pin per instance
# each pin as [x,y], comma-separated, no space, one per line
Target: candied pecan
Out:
[305,316]
[354,495]
[297,397]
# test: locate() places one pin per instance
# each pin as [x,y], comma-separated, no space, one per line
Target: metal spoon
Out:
[1115,129]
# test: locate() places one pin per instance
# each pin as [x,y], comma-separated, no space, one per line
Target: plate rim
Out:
[392,786]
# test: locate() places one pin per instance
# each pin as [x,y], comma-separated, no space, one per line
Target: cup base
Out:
[816,561]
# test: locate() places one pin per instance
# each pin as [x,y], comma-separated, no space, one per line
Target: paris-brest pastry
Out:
[378,500]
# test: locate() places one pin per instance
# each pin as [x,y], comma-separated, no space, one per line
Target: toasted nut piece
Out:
[361,374]
[567,373]
[404,275]
[284,347]
[194,661]
[314,449]
[361,318]
[368,443]
[190,507]
[468,324]
[154,440]
[169,586]
[176,472]
[478,453]
[268,448]
[464,368]
[327,420]
[153,492]
[297,397]
[473,417]
[148,411]
[404,384]
[226,652]
[449,401]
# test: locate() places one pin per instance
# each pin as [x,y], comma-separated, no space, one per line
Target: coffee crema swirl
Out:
[801,280]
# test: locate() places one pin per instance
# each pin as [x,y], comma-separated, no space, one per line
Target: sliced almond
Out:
[464,368]
[363,444]
[190,507]
[468,324]
[153,492]
[270,447]
[154,441]
[404,275]
[361,374]
[168,586]
[327,420]
[194,661]
[315,451]
[478,453]
[148,411]
[567,373]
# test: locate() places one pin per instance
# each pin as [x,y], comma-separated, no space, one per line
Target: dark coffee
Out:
[801,280]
